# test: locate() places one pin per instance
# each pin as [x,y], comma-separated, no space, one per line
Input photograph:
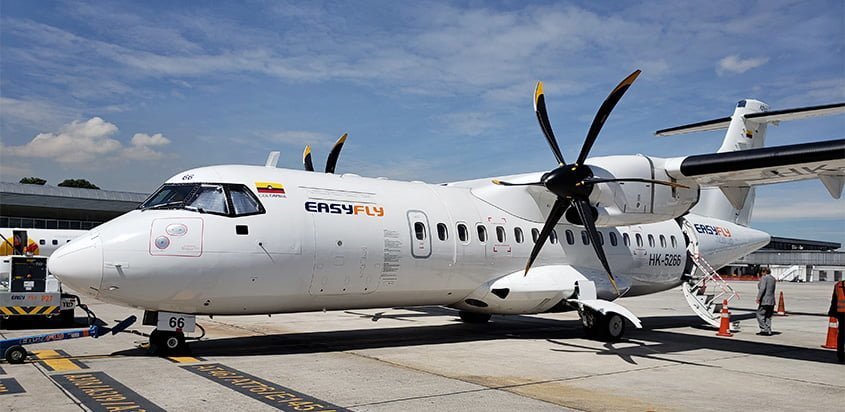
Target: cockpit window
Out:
[244,202]
[220,199]
[210,199]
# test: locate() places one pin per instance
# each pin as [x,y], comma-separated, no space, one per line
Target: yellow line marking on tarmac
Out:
[56,361]
[185,359]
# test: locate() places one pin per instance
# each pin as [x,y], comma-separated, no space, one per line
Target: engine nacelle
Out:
[629,203]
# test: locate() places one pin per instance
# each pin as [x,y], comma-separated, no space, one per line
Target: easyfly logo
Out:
[344,209]
[712,230]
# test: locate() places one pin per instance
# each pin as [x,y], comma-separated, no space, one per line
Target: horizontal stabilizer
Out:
[764,117]
[765,165]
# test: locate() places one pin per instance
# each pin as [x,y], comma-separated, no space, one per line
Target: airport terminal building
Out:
[50,207]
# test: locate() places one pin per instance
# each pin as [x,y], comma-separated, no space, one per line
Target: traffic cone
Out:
[725,325]
[781,306]
[832,333]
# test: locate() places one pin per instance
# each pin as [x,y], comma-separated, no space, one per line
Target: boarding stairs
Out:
[705,290]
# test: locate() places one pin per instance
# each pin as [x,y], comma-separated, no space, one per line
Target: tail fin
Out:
[746,130]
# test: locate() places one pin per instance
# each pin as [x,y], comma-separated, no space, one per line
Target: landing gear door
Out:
[420,232]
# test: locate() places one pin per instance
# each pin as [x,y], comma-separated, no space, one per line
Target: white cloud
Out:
[734,64]
[470,123]
[83,142]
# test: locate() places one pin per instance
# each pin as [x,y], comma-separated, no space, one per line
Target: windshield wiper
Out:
[164,205]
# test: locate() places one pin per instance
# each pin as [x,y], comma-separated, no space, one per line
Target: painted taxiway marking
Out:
[185,359]
[9,386]
[100,392]
[256,388]
[58,361]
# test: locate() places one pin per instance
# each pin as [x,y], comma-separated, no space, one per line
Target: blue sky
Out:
[126,94]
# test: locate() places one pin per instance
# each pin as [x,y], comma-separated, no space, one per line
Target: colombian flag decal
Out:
[270,188]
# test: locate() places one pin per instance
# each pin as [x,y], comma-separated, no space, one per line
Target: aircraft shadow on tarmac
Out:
[565,335]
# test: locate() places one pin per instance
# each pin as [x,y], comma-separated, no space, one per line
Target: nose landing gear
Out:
[164,342]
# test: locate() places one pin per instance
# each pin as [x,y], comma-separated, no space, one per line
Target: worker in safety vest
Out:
[837,310]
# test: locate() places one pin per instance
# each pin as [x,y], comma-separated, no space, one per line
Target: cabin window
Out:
[639,240]
[585,238]
[613,240]
[42,242]
[535,234]
[662,241]
[419,230]
[626,239]
[55,241]
[553,237]
[442,231]
[674,241]
[500,234]
[482,233]
[650,241]
[601,238]
[517,234]
[463,233]
[570,238]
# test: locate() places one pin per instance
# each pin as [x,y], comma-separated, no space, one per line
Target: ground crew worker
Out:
[765,302]
[837,310]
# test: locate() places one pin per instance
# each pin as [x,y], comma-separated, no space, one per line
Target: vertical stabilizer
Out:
[734,204]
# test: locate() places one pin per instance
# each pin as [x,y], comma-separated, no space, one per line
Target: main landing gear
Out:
[609,327]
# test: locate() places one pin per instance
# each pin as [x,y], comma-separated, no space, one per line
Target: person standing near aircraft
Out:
[765,302]
[837,310]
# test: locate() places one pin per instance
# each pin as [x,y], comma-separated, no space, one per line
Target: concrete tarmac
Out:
[422,359]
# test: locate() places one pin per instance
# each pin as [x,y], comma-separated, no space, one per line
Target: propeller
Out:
[331,162]
[573,183]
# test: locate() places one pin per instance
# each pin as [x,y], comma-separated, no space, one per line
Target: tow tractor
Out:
[14,351]
[28,290]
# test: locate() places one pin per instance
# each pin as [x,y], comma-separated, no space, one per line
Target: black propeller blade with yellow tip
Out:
[573,183]
[306,159]
[334,154]
[331,162]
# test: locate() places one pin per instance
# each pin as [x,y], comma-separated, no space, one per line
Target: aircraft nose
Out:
[79,264]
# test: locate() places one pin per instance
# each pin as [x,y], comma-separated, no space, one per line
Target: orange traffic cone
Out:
[832,333]
[725,326]
[781,306]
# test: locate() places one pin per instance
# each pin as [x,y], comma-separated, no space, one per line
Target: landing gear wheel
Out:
[614,327]
[608,327]
[15,354]
[167,343]
[472,317]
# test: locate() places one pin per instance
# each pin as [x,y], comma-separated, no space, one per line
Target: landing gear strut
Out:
[609,327]
[167,342]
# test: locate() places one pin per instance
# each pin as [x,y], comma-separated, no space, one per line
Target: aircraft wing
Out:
[741,169]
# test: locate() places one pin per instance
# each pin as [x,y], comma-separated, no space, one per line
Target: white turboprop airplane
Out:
[39,241]
[243,240]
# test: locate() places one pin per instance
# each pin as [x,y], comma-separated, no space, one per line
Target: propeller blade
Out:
[603,113]
[543,118]
[502,183]
[554,216]
[594,180]
[334,154]
[586,213]
[306,159]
